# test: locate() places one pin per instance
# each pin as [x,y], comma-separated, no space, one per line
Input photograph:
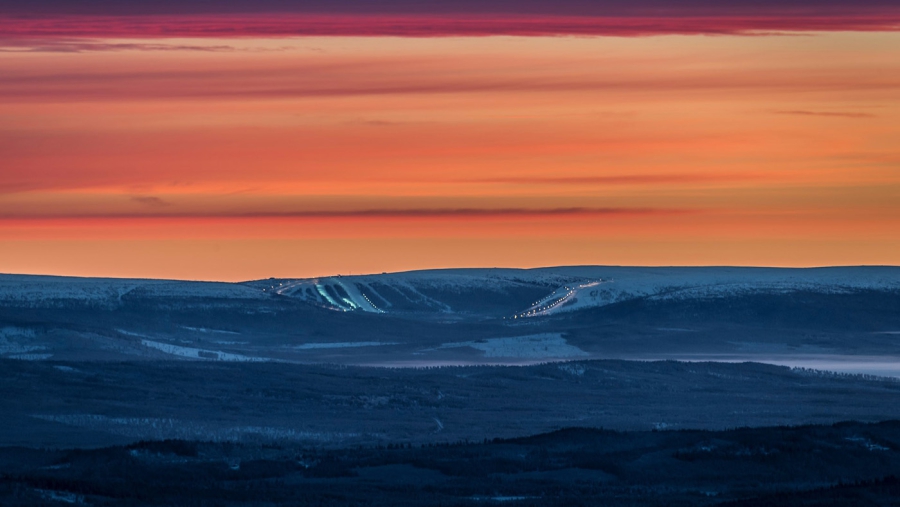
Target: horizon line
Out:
[470,268]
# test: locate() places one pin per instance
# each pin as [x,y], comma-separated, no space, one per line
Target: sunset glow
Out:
[293,149]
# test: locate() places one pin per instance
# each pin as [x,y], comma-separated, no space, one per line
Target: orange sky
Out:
[232,159]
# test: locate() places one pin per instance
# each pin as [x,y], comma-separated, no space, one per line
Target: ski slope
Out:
[492,292]
[574,288]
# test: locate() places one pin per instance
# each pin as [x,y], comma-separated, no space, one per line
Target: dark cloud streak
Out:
[827,114]
[149,200]
[81,45]
[300,82]
[628,179]
[414,213]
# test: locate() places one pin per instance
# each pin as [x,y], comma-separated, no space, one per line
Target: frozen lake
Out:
[857,365]
[883,366]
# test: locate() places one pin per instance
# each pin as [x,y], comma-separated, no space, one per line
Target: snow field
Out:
[547,345]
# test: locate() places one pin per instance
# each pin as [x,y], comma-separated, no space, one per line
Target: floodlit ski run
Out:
[356,300]
[556,300]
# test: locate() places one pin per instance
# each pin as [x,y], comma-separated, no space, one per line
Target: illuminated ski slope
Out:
[574,288]
[493,292]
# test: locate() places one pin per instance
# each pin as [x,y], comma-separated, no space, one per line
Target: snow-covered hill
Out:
[459,316]
[562,289]
[33,290]
[490,292]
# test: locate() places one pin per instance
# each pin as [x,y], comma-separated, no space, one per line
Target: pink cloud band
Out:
[262,25]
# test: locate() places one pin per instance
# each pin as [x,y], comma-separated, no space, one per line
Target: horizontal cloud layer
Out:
[13,28]
[183,125]
[311,79]
[567,7]
[463,213]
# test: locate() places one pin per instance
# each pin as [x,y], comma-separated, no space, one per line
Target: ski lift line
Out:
[542,307]
[379,310]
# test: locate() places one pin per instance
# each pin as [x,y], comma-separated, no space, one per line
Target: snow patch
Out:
[573,369]
[15,332]
[129,333]
[192,353]
[31,357]
[11,346]
[340,345]
[207,330]
[60,496]
[546,345]
[868,444]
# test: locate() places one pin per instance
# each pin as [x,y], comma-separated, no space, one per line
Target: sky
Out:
[238,140]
